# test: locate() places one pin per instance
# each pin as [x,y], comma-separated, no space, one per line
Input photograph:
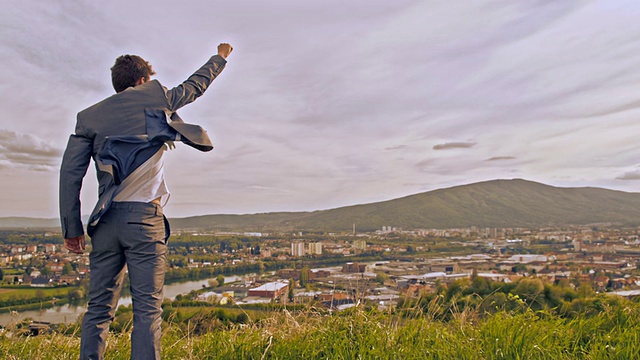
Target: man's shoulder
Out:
[149,89]
[97,105]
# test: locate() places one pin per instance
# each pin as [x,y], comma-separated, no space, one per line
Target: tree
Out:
[67,269]
[75,295]
[304,275]
[291,285]
[1,275]
[381,278]
[45,271]
[480,285]
[220,279]
[529,289]
[585,290]
[519,268]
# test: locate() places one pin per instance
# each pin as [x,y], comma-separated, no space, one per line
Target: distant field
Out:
[11,272]
[29,293]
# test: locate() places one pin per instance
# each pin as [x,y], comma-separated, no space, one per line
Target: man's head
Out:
[130,70]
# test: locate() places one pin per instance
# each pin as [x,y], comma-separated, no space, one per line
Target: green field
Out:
[8,293]
[11,272]
[20,298]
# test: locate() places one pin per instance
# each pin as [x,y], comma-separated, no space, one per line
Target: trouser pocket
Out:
[167,229]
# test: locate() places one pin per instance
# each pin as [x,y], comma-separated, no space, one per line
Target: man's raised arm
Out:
[197,84]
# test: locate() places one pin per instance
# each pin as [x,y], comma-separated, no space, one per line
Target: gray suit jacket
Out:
[125,113]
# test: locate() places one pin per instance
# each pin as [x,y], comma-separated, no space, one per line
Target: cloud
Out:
[549,84]
[454,145]
[499,158]
[422,163]
[27,151]
[396,147]
[632,175]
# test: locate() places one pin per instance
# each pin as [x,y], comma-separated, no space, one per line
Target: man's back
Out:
[122,113]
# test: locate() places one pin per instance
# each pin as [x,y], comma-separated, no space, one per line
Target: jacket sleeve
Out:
[75,162]
[196,84]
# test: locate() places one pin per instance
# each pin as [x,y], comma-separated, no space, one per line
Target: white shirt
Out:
[146,183]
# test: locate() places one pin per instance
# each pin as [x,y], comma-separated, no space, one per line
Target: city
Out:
[340,270]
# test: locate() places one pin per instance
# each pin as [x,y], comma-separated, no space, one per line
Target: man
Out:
[126,135]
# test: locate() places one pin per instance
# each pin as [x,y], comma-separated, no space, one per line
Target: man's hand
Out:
[224,50]
[75,245]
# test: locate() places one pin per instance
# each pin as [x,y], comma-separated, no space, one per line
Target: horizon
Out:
[85,216]
[328,104]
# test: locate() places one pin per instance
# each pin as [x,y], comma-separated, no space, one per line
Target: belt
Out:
[124,204]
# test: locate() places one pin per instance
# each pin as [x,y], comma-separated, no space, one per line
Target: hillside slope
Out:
[496,203]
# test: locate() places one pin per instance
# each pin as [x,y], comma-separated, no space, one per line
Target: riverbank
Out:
[64,311]
[34,306]
[189,280]
[23,298]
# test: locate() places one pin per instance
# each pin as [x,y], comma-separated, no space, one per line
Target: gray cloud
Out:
[27,151]
[424,163]
[500,158]
[454,145]
[338,102]
[632,175]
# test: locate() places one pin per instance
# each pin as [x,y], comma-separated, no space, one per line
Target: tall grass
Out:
[360,333]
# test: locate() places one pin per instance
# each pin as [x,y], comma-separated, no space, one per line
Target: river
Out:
[70,313]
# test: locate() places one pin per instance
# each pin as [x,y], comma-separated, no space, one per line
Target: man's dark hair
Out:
[127,70]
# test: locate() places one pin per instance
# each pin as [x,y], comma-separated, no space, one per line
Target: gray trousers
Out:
[131,234]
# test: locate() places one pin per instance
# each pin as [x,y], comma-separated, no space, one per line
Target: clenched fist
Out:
[224,50]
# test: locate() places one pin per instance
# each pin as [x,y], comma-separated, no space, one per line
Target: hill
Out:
[27,222]
[496,203]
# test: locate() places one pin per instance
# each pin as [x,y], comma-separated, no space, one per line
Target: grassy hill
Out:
[356,334]
[496,203]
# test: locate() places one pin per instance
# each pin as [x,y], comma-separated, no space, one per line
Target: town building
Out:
[270,290]
[297,249]
[360,244]
[315,248]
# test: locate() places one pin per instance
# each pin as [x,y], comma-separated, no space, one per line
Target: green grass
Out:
[361,334]
[8,293]
[10,271]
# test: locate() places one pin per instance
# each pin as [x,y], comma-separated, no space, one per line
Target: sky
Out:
[333,103]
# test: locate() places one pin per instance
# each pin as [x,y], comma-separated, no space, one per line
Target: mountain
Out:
[26,222]
[496,203]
